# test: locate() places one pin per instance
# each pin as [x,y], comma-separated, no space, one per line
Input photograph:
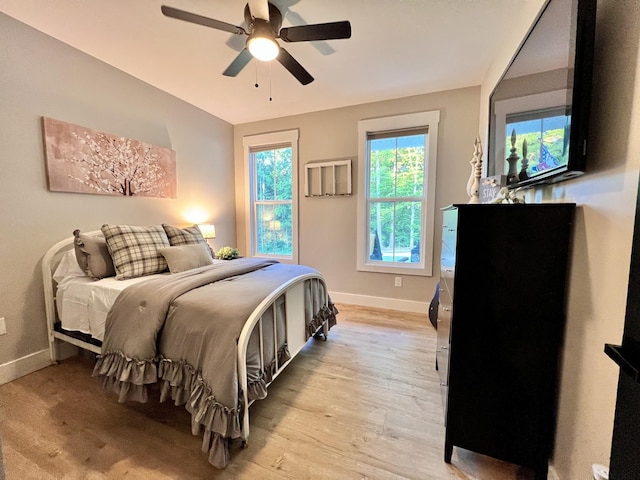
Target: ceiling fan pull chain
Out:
[270,99]
[256,64]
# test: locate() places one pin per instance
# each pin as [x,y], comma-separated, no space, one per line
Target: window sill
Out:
[408,269]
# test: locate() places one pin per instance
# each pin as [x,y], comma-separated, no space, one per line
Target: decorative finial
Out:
[473,185]
[512,174]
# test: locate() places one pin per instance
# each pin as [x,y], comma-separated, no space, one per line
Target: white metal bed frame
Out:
[295,331]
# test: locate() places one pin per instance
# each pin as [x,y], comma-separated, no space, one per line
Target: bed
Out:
[211,334]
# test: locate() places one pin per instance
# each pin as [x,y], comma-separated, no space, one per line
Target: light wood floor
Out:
[363,405]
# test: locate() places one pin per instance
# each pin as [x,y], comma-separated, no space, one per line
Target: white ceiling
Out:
[398,48]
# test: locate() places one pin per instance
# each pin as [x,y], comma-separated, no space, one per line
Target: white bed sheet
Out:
[83,302]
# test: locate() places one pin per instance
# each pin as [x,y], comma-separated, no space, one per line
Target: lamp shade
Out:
[208,230]
[263,48]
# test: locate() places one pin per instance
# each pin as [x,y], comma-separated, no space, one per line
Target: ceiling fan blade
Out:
[319,31]
[236,42]
[200,20]
[295,18]
[238,64]
[294,67]
[259,9]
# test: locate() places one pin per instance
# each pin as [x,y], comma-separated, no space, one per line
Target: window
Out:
[546,133]
[272,164]
[397,157]
[543,120]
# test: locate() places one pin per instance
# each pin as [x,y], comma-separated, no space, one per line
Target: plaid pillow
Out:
[135,249]
[186,236]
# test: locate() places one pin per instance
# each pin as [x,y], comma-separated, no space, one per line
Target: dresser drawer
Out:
[449,234]
[447,268]
[443,339]
[446,295]
[446,281]
[447,256]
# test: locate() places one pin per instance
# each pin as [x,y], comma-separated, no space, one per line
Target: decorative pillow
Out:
[135,249]
[93,255]
[186,236]
[186,257]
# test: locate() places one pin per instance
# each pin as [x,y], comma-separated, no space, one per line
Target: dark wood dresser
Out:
[501,326]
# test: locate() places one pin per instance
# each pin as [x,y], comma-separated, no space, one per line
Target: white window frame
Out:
[503,108]
[260,141]
[399,122]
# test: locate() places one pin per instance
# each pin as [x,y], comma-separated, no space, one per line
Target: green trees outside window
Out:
[273,201]
[546,135]
[396,197]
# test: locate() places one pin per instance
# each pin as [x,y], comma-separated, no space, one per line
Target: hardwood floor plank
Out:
[363,405]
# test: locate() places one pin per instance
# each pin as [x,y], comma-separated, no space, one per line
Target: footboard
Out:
[296,314]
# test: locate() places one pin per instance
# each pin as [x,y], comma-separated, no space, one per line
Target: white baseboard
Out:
[380,302]
[22,366]
[35,361]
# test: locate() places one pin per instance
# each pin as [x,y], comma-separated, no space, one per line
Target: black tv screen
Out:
[539,110]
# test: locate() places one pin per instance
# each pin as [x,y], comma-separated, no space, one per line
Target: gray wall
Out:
[328,225]
[40,76]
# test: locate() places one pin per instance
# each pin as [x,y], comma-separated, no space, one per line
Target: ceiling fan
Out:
[263,20]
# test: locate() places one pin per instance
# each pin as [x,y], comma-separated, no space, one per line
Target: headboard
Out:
[50,262]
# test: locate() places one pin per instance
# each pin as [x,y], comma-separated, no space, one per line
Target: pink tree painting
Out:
[83,160]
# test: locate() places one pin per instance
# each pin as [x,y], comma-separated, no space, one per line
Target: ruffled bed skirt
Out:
[126,377]
[327,313]
[129,378]
[185,386]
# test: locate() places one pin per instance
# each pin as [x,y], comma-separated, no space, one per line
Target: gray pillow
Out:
[186,257]
[93,255]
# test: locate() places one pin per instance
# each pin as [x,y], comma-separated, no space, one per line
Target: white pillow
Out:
[68,267]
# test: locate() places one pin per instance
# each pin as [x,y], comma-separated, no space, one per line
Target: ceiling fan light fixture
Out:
[263,29]
[263,48]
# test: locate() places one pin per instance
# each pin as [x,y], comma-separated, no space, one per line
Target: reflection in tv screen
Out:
[543,141]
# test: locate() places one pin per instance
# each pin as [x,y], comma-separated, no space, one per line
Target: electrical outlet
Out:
[398,282]
[3,326]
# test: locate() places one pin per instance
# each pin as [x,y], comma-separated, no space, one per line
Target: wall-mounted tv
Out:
[539,110]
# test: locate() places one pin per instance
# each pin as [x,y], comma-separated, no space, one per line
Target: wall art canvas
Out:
[82,160]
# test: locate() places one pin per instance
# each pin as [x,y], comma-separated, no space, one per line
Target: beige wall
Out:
[602,244]
[328,225]
[40,76]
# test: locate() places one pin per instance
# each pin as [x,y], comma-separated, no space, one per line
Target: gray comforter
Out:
[182,330]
